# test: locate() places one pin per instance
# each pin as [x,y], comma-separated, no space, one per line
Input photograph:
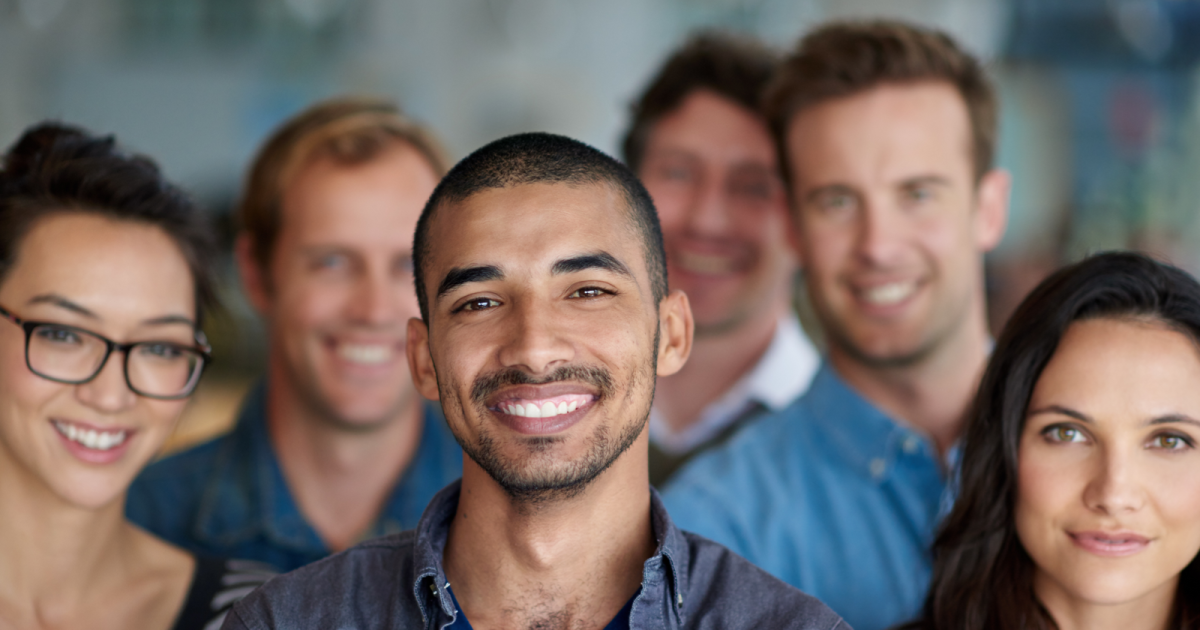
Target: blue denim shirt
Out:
[398,582]
[829,495]
[228,497]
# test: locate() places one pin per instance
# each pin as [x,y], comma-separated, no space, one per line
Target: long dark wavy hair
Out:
[982,576]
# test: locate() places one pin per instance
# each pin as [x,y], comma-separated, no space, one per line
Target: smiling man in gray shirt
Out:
[545,321]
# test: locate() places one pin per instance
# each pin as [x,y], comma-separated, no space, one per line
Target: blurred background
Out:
[1100,121]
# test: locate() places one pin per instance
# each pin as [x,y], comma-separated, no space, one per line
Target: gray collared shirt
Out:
[397,582]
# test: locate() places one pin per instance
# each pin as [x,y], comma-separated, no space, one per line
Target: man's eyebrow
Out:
[463,275]
[599,260]
[55,299]
[1064,411]
[829,189]
[925,180]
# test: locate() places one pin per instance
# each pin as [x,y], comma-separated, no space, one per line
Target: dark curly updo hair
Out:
[54,168]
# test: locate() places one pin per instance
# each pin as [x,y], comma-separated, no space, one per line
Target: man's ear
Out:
[420,362]
[254,278]
[675,330]
[991,216]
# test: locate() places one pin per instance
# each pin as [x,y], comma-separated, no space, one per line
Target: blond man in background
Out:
[336,445]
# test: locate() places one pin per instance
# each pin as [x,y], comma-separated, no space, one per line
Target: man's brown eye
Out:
[478,304]
[588,292]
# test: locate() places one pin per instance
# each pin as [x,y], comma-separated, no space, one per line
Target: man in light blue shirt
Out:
[336,445]
[887,132]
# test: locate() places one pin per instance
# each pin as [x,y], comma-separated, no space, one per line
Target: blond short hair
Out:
[349,131]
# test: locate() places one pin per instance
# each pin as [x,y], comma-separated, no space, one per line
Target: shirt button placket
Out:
[878,468]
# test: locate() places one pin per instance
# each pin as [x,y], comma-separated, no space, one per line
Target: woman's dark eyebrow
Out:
[1173,418]
[1058,409]
[55,299]
[62,302]
[169,319]
[599,260]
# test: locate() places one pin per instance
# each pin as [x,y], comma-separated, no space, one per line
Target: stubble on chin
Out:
[531,473]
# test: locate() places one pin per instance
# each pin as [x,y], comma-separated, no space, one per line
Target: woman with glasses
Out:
[1079,504]
[104,275]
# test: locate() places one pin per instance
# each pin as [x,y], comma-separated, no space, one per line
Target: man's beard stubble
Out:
[559,483]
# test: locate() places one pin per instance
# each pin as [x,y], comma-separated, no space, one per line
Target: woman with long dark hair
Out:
[104,277]
[1079,504]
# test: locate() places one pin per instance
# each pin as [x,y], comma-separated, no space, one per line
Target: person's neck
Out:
[340,477]
[55,554]
[717,363]
[572,563]
[931,395]
[1150,612]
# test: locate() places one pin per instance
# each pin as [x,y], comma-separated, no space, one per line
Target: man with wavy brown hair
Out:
[702,148]
[886,132]
[336,445]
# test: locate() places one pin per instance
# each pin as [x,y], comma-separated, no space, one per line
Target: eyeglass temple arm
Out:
[13,318]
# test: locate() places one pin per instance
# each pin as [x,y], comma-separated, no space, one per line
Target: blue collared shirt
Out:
[398,582]
[228,497]
[831,496]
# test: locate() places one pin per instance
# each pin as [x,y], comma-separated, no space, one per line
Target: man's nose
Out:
[535,339]
[375,299]
[710,208]
[880,234]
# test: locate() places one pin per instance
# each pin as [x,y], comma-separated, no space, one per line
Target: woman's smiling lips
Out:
[1110,544]
[92,444]
[542,409]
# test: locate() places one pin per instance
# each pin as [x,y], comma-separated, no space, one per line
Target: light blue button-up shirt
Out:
[829,495]
[228,497]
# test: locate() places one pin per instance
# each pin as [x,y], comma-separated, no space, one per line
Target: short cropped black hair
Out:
[542,158]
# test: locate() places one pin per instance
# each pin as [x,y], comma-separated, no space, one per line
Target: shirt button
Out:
[911,444]
[877,467]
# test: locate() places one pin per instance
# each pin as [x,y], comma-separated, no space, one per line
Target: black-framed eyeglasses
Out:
[155,369]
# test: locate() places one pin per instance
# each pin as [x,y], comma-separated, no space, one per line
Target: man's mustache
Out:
[488,384]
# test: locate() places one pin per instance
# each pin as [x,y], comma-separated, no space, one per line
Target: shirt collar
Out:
[247,495]
[779,377]
[670,559]
[785,369]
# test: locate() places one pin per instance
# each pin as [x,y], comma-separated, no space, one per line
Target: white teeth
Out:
[370,354]
[701,263]
[544,410]
[90,438]
[888,294]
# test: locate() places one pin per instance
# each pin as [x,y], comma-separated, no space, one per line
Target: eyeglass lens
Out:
[153,368]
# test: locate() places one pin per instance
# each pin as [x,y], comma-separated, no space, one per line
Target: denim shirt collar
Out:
[663,575]
[865,437]
[247,496]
